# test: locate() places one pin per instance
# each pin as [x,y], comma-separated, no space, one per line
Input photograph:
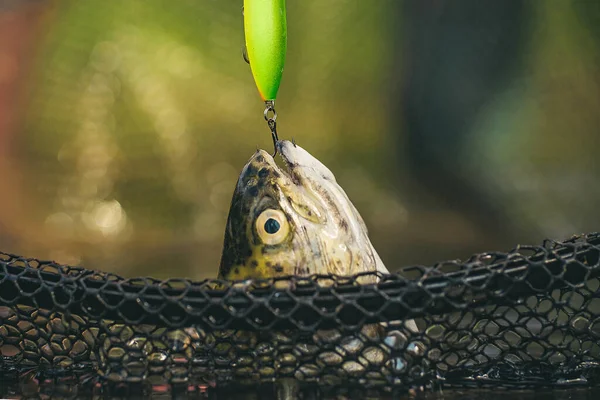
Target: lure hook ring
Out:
[271,118]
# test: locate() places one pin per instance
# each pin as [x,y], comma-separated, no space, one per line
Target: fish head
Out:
[293,220]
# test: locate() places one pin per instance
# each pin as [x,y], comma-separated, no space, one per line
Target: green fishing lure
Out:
[265,30]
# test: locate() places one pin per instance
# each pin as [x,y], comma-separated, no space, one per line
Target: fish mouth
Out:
[298,167]
[287,151]
[299,163]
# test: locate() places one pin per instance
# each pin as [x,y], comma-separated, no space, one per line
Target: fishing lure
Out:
[265,31]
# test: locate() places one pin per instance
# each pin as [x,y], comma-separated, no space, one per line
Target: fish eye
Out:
[272,226]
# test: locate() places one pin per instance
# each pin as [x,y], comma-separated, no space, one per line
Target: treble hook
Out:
[272,122]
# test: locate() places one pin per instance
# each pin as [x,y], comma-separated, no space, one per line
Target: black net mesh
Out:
[526,318]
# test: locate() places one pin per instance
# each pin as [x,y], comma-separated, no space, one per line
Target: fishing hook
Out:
[271,118]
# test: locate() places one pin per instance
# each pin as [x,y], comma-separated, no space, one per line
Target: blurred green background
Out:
[454,126]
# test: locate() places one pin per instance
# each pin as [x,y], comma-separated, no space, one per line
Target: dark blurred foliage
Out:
[454,126]
[458,57]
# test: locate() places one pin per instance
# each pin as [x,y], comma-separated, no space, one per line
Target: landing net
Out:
[524,319]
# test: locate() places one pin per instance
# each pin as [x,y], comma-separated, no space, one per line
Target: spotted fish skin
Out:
[320,230]
[326,234]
